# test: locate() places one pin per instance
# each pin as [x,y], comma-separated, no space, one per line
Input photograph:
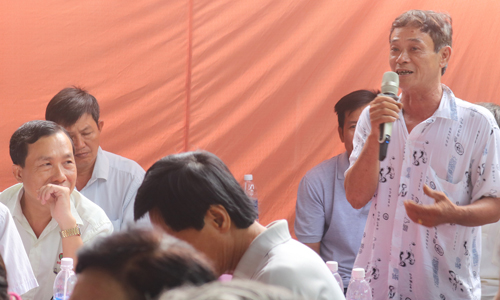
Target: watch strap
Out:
[70,232]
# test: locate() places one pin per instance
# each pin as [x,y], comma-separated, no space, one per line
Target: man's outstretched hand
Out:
[443,211]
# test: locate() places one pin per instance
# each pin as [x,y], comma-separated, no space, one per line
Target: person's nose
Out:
[403,57]
[78,141]
[58,175]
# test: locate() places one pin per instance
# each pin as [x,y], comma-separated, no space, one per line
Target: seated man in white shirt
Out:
[109,180]
[194,197]
[20,276]
[52,218]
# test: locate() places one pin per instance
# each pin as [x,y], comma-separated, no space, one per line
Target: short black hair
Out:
[353,101]
[70,104]
[493,108]
[28,134]
[182,187]
[146,261]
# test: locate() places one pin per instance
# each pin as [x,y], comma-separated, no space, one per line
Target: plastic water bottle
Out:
[65,280]
[334,268]
[358,289]
[251,192]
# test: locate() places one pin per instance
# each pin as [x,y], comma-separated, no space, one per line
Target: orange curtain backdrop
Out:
[254,82]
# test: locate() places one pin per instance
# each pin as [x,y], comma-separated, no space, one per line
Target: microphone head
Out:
[390,83]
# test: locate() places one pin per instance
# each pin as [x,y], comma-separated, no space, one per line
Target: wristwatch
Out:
[70,232]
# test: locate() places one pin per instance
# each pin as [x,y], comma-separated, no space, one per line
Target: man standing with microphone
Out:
[439,181]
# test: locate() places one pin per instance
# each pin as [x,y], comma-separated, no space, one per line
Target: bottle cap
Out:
[358,273]
[248,177]
[333,266]
[67,262]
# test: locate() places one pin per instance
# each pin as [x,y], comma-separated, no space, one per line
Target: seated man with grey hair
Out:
[194,197]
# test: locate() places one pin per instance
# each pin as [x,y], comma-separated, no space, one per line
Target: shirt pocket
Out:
[456,192]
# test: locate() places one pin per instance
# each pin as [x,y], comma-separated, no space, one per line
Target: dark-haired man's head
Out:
[194,197]
[42,153]
[138,264]
[78,111]
[348,110]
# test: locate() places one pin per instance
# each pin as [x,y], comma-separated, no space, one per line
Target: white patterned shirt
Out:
[454,151]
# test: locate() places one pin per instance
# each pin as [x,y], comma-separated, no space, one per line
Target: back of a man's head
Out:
[181,188]
[29,133]
[144,262]
[70,104]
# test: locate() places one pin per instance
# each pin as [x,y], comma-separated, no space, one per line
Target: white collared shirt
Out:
[113,186]
[20,276]
[45,252]
[454,151]
[275,258]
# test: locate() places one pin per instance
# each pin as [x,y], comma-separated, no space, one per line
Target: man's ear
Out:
[445,56]
[341,134]
[218,217]
[18,172]
[100,125]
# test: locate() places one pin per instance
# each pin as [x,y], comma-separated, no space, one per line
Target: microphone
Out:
[390,85]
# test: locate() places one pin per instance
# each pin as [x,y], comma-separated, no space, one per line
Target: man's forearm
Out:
[481,212]
[70,246]
[362,178]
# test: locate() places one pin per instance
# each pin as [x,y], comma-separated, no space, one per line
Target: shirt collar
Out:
[276,233]
[101,167]
[447,106]
[75,194]
[17,211]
